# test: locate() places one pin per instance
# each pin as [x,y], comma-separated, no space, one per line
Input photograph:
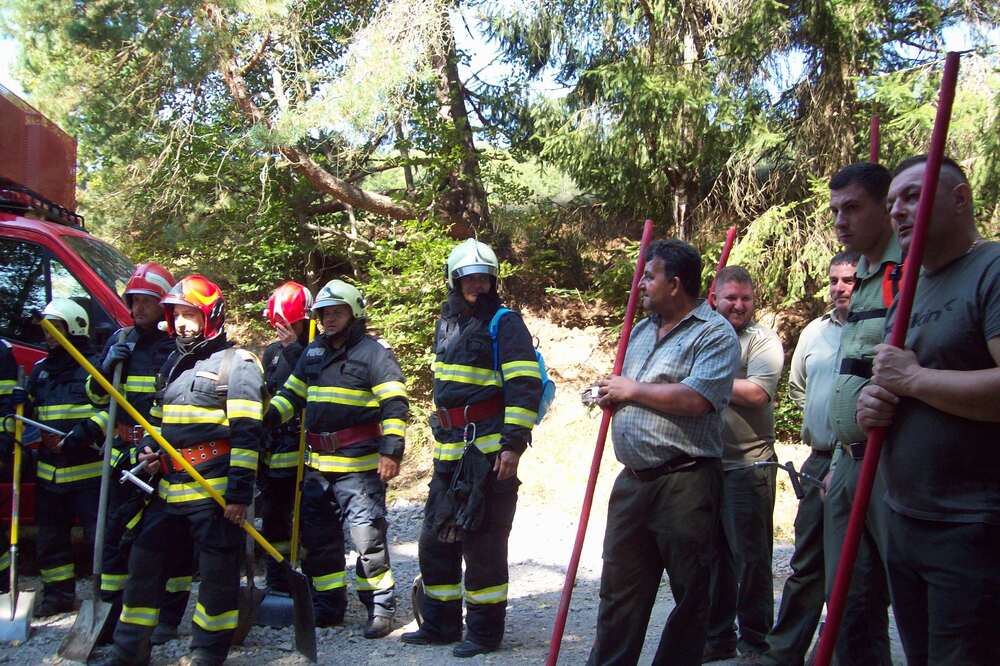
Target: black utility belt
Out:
[675,465]
[856,450]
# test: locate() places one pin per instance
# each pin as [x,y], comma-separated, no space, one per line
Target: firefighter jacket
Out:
[282,443]
[58,397]
[464,375]
[8,380]
[151,350]
[359,383]
[201,405]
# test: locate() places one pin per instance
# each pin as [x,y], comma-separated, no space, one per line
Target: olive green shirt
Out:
[864,329]
[748,432]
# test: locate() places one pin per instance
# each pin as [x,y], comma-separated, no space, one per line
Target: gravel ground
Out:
[540,545]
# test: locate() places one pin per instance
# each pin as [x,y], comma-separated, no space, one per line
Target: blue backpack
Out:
[548,386]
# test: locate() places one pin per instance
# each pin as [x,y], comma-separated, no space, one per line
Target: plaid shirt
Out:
[700,352]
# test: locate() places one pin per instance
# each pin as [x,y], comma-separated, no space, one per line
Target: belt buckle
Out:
[857,450]
[328,439]
[444,417]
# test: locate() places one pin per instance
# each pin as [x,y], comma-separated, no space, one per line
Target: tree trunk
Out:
[321,179]
[464,202]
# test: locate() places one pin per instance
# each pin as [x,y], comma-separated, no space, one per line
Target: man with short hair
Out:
[938,397]
[667,430]
[810,384]
[857,200]
[742,586]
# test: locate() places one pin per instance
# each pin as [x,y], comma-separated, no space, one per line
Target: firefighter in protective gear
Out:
[68,468]
[142,354]
[356,408]
[210,402]
[288,311]
[480,413]
[8,381]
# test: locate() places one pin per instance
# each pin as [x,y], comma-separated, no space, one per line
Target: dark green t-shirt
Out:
[938,466]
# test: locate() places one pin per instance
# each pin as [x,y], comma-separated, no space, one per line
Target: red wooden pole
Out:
[595,464]
[727,247]
[874,139]
[900,324]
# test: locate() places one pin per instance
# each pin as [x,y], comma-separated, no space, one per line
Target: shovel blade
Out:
[250,599]
[86,630]
[16,613]
[304,619]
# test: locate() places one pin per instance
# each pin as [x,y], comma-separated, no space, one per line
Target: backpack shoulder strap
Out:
[222,385]
[494,330]
[890,282]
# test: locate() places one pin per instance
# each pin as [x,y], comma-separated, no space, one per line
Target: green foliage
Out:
[787,415]
[404,290]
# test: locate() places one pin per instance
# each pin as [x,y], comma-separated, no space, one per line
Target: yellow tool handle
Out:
[299,473]
[164,444]
[15,518]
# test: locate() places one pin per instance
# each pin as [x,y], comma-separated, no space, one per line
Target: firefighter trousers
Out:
[277,501]
[55,510]
[485,555]
[125,511]
[357,500]
[165,537]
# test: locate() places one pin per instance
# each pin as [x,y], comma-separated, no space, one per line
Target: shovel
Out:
[16,610]
[93,615]
[277,608]
[250,594]
[298,584]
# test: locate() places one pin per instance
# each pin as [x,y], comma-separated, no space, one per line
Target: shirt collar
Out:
[702,310]
[892,253]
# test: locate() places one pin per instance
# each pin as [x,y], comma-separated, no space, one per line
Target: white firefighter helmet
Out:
[338,292]
[469,258]
[69,312]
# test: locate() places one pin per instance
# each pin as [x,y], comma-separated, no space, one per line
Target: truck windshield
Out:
[109,264]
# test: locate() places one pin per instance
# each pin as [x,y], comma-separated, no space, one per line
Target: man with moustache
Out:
[861,221]
[742,586]
[664,508]
[938,397]
[810,383]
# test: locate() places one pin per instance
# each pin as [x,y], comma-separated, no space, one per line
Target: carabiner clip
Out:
[468,438]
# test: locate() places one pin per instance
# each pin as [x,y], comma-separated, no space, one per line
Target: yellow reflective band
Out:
[47,472]
[283,460]
[95,397]
[222,622]
[519,416]
[7,386]
[487,595]
[513,369]
[65,412]
[116,456]
[388,390]
[329,581]
[113,582]
[324,462]
[296,386]
[56,574]
[454,450]
[156,412]
[140,384]
[245,409]
[394,427]
[147,617]
[244,458]
[465,374]
[383,581]
[283,406]
[192,414]
[5,561]
[282,547]
[134,520]
[101,419]
[174,493]
[443,592]
[342,396]
[178,584]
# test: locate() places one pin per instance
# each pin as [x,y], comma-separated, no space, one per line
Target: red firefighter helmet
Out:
[149,279]
[289,303]
[201,293]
